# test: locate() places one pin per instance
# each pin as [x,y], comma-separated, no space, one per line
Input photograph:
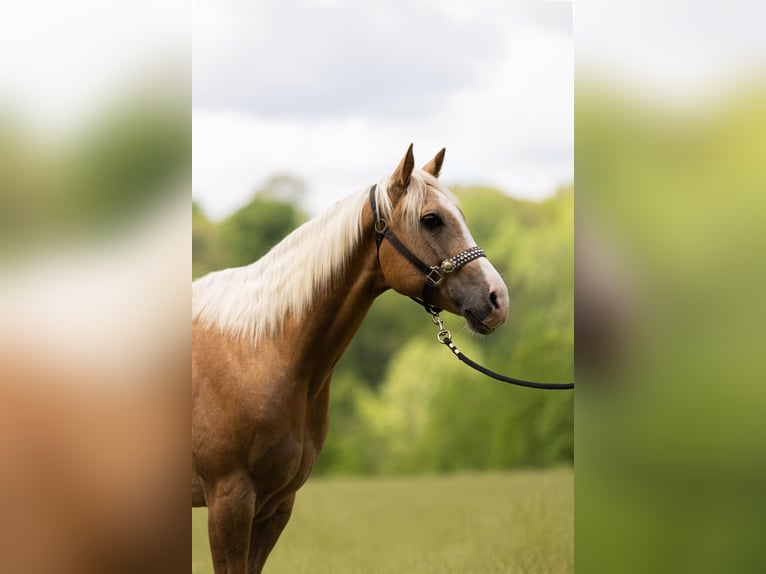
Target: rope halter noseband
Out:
[433,273]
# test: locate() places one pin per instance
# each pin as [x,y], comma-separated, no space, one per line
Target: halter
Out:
[433,273]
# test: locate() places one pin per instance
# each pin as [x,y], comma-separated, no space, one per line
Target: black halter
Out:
[433,273]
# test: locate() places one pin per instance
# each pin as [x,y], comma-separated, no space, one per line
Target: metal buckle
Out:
[443,332]
[434,272]
[380,226]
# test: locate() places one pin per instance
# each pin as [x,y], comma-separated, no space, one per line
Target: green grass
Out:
[515,522]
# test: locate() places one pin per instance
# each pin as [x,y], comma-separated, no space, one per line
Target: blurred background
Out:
[332,92]
[95,161]
[670,128]
[299,104]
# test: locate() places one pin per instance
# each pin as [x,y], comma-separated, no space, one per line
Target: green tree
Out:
[206,255]
[254,229]
[137,153]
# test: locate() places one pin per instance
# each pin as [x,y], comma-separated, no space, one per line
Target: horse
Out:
[266,338]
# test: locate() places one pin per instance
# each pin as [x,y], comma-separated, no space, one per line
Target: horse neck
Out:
[318,338]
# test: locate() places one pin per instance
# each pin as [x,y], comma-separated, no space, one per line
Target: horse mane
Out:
[252,301]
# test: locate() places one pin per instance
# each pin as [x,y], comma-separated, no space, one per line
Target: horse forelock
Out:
[253,301]
[417,193]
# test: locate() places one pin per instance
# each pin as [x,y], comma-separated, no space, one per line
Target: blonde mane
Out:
[253,301]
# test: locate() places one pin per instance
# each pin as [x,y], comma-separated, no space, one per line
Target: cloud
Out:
[63,60]
[682,50]
[304,59]
[492,81]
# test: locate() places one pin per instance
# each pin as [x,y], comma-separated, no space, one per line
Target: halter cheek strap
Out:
[433,273]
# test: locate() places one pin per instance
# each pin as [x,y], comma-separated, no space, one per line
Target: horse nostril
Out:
[493,300]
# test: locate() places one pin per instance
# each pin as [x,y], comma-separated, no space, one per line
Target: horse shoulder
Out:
[245,407]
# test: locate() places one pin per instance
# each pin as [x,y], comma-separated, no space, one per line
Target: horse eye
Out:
[430,221]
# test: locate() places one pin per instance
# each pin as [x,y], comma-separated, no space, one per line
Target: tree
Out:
[206,255]
[252,231]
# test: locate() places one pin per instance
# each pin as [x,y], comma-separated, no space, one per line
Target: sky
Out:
[333,91]
[687,52]
[63,63]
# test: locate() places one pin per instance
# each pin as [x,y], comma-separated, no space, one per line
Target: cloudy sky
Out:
[672,50]
[333,91]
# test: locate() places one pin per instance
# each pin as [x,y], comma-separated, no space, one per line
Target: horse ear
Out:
[400,179]
[434,166]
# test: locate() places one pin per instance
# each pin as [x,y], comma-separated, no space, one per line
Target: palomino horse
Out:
[266,338]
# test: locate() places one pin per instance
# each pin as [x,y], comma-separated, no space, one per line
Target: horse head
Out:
[426,251]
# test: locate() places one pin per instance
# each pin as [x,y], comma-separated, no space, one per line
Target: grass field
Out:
[516,522]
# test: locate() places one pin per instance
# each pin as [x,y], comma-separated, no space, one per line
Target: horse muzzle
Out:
[485,316]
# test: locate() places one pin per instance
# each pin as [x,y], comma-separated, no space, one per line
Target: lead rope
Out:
[445,337]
